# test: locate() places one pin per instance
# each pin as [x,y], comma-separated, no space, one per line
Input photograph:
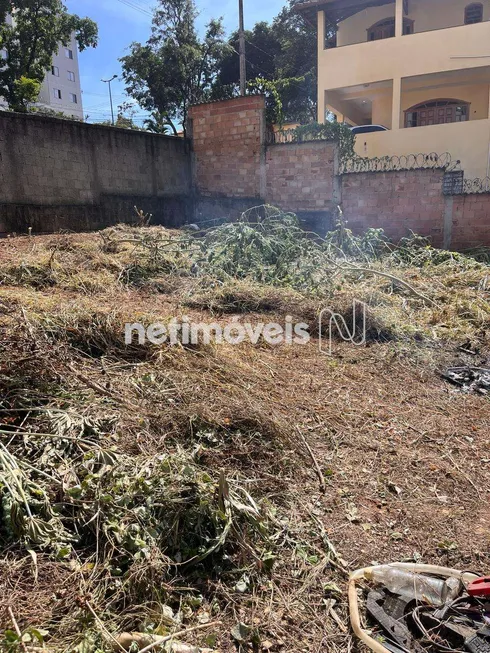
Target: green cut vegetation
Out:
[216,496]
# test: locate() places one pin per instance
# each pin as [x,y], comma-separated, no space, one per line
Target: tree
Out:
[156,123]
[5,7]
[262,49]
[283,52]
[121,122]
[297,61]
[38,29]
[175,68]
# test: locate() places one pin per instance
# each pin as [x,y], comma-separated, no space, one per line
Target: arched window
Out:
[437,112]
[473,13]
[385,29]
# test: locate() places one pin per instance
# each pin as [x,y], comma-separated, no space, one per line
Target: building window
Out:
[71,76]
[68,53]
[57,93]
[55,71]
[385,29]
[73,98]
[473,13]
[437,112]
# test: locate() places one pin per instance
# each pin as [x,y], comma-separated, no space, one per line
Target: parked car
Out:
[367,129]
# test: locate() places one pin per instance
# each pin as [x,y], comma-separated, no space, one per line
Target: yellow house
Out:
[420,68]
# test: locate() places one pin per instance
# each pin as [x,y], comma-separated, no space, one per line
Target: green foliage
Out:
[157,123]
[164,503]
[52,113]
[262,47]
[267,246]
[297,59]
[283,52]
[141,507]
[27,88]
[274,106]
[417,251]
[372,245]
[12,642]
[125,122]
[175,68]
[122,122]
[29,44]
[329,131]
[5,8]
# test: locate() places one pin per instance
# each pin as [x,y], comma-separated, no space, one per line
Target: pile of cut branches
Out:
[198,492]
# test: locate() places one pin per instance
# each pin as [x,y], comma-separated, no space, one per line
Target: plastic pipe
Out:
[360,574]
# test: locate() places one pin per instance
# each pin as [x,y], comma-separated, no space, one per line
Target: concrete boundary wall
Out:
[60,174]
[63,174]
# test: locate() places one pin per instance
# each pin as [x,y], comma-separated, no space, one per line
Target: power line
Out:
[141,4]
[101,105]
[108,113]
[136,7]
[139,115]
[144,4]
[261,70]
[260,49]
[95,94]
[98,107]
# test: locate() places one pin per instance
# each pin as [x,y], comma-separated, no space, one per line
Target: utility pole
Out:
[243,63]
[108,81]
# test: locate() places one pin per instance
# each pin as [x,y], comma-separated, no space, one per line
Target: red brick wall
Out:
[300,177]
[233,170]
[398,202]
[471,221]
[228,140]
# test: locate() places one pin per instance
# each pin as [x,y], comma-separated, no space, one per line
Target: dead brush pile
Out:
[168,491]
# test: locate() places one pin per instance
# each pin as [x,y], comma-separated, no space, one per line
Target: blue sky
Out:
[123,21]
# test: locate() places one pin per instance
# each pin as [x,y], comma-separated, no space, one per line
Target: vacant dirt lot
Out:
[159,488]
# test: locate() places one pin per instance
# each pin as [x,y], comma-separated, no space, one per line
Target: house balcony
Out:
[461,47]
[467,142]
[362,41]
[437,112]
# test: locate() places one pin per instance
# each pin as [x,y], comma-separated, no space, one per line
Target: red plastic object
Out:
[479,587]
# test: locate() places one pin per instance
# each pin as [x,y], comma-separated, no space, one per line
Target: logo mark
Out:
[333,320]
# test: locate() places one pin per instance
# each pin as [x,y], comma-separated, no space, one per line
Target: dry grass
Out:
[404,455]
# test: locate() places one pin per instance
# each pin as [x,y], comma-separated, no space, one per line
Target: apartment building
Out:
[61,90]
[420,68]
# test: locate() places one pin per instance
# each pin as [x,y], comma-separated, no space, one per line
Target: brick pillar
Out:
[229,148]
